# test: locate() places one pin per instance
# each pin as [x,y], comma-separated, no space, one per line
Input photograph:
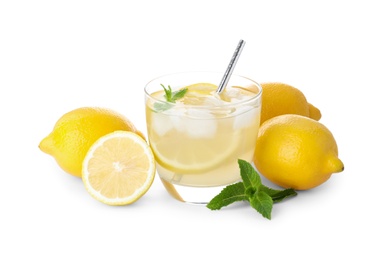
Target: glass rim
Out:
[252,99]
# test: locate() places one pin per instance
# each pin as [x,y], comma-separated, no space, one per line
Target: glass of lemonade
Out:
[198,135]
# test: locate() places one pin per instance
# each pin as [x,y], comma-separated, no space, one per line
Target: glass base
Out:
[192,195]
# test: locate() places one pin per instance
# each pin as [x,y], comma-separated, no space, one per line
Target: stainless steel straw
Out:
[230,68]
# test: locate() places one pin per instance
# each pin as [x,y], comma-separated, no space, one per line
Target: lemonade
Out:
[198,138]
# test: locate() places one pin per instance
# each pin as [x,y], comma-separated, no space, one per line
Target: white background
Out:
[56,56]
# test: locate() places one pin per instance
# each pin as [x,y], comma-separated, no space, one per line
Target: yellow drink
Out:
[198,139]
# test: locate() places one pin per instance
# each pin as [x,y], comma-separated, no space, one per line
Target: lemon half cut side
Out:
[119,168]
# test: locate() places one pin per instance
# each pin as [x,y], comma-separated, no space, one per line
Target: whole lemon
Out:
[77,130]
[280,98]
[296,152]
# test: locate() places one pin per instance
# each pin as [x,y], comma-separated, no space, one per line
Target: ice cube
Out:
[199,113]
[197,123]
[161,123]
[176,118]
[233,93]
[200,123]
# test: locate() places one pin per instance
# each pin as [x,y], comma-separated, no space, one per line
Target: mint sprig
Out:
[251,189]
[170,96]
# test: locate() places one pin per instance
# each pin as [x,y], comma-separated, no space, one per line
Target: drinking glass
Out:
[198,138]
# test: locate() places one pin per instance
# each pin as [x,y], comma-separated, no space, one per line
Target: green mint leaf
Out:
[171,96]
[263,203]
[231,193]
[249,191]
[168,93]
[179,94]
[261,197]
[159,107]
[278,195]
[249,176]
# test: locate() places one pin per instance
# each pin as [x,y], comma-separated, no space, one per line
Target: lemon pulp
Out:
[118,168]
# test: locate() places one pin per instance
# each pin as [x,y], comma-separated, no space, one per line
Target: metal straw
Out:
[231,66]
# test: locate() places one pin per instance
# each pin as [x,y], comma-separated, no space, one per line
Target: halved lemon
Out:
[119,168]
